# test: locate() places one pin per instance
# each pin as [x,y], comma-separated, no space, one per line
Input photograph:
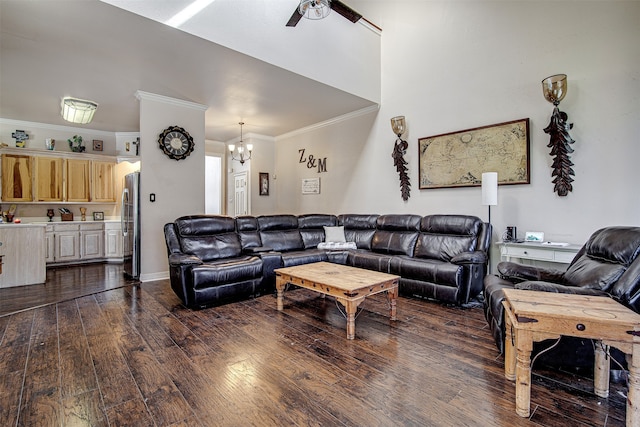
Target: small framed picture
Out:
[97,145]
[264,184]
[98,216]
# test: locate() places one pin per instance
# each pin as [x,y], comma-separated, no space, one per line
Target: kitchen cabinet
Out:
[113,241]
[49,175]
[78,180]
[16,178]
[103,181]
[77,242]
[22,251]
[91,241]
[49,244]
[67,242]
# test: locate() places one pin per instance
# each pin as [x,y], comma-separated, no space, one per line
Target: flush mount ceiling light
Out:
[78,110]
[314,9]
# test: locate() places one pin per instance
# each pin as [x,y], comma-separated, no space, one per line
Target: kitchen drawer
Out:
[66,227]
[91,226]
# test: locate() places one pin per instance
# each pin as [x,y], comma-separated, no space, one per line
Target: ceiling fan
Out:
[316,6]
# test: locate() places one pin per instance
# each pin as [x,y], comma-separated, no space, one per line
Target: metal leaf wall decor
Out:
[560,139]
[399,150]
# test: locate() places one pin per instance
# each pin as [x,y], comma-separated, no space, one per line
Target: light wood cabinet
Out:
[49,176]
[16,178]
[103,181]
[78,180]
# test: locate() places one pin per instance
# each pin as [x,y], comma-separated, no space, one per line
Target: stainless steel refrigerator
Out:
[130,219]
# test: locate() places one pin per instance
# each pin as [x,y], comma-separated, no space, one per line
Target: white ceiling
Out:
[92,50]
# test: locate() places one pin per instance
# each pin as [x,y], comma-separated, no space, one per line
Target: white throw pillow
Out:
[334,234]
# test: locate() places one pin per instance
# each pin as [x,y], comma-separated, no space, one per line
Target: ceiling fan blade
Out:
[345,11]
[295,18]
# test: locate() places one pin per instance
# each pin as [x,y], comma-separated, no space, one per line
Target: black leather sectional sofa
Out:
[214,259]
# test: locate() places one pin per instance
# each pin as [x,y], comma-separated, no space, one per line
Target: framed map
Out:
[458,159]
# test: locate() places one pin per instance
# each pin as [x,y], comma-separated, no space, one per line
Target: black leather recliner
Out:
[608,264]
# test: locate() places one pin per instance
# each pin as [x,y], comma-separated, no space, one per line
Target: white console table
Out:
[538,252]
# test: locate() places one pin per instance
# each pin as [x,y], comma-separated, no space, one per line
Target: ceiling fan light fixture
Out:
[314,9]
[78,110]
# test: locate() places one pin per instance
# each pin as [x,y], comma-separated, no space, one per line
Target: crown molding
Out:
[338,119]
[60,128]
[141,95]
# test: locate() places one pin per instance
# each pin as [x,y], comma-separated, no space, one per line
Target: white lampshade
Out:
[78,110]
[490,188]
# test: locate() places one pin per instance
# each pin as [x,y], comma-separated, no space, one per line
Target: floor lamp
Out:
[489,198]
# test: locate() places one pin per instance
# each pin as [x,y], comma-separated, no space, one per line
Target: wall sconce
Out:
[554,88]
[78,110]
[241,153]
[399,126]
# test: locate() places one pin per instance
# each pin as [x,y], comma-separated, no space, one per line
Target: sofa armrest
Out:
[519,272]
[176,260]
[477,257]
[536,285]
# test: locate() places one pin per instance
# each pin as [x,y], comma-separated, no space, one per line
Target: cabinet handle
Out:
[526,253]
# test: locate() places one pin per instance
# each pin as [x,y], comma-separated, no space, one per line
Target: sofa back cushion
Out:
[396,234]
[311,228]
[359,229]
[444,236]
[280,232]
[247,228]
[208,237]
[606,256]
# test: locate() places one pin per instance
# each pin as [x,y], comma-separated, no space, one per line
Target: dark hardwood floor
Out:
[135,356]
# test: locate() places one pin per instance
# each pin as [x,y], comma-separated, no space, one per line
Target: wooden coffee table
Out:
[535,316]
[349,285]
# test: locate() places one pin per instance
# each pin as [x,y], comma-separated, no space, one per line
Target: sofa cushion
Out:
[247,227]
[226,271]
[359,229]
[289,259]
[586,272]
[280,232]
[208,237]
[444,236]
[427,270]
[396,234]
[369,260]
[312,228]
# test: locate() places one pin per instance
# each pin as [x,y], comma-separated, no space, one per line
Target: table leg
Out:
[280,284]
[524,345]
[392,296]
[633,396]
[351,307]
[509,350]
[601,370]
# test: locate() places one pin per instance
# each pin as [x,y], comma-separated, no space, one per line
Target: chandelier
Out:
[242,152]
[314,9]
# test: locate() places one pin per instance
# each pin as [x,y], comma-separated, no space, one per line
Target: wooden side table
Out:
[535,316]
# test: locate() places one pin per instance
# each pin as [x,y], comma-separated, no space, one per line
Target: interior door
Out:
[240,194]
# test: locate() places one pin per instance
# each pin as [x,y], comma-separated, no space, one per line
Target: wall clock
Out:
[176,142]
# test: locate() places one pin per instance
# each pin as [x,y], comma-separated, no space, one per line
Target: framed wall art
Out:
[311,186]
[458,159]
[264,183]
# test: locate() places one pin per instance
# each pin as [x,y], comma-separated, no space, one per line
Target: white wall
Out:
[178,185]
[449,66]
